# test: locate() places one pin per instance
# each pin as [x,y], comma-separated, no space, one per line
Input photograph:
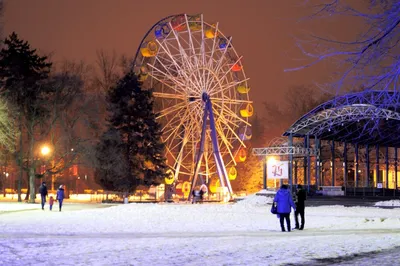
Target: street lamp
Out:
[45,150]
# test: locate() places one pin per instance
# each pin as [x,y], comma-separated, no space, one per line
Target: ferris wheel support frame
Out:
[221,169]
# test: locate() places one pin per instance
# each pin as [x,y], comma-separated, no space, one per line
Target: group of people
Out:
[198,194]
[284,203]
[44,193]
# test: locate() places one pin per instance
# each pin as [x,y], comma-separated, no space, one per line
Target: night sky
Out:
[262,32]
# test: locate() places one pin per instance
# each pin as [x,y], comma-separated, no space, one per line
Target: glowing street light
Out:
[45,150]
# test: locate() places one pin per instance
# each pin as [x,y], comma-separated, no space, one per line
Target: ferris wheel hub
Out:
[205,97]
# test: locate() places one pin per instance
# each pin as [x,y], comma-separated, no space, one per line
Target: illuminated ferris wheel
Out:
[201,97]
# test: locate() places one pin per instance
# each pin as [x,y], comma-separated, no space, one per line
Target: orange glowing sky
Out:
[262,32]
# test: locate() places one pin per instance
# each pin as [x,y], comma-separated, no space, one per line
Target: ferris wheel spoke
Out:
[168,95]
[226,142]
[191,45]
[177,127]
[167,51]
[227,87]
[222,135]
[228,71]
[170,75]
[172,78]
[171,109]
[229,112]
[235,134]
[223,55]
[230,101]
[181,50]
[211,55]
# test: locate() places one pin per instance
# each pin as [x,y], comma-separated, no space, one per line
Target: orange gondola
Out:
[236,67]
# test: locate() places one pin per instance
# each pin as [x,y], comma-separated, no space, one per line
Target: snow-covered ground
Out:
[245,233]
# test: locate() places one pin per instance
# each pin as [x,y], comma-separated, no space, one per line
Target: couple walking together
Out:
[283,201]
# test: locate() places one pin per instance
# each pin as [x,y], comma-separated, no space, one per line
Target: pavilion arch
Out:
[359,132]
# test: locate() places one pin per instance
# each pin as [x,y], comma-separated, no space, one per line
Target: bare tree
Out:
[298,101]
[108,69]
[371,59]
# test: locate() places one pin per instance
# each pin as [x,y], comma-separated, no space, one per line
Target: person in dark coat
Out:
[43,193]
[60,196]
[301,196]
[284,201]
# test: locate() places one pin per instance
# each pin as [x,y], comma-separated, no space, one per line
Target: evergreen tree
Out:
[112,173]
[23,75]
[132,115]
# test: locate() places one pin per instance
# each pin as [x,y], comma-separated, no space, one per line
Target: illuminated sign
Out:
[277,169]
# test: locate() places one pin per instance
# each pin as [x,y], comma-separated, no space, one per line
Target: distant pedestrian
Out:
[301,196]
[60,196]
[284,201]
[51,202]
[203,192]
[43,193]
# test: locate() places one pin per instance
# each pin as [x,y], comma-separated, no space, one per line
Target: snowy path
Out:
[260,234]
[214,234]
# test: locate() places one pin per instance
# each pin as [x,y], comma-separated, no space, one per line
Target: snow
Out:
[388,203]
[244,233]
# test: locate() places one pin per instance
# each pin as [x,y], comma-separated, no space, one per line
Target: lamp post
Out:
[46,151]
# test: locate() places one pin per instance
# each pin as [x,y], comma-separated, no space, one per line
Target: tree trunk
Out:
[32,194]
[21,153]
[28,189]
[31,171]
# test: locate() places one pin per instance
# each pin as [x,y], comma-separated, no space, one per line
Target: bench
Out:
[332,191]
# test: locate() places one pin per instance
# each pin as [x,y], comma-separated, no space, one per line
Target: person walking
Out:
[301,196]
[284,201]
[43,193]
[51,202]
[60,196]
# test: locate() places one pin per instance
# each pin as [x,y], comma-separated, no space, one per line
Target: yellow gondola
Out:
[232,173]
[243,89]
[170,178]
[214,185]
[149,50]
[248,111]
[211,32]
